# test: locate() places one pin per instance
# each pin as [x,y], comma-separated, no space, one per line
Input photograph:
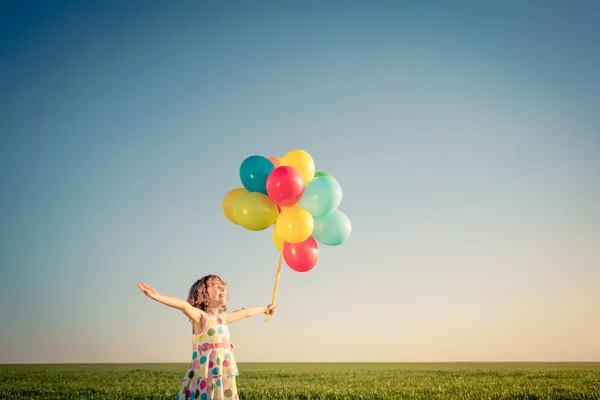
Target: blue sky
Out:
[465,137]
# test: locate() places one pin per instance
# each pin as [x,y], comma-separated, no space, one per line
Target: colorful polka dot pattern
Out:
[211,373]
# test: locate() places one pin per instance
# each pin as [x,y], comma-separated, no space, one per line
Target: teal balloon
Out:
[321,196]
[254,172]
[332,229]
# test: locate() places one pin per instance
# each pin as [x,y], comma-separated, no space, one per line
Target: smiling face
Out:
[217,293]
[208,292]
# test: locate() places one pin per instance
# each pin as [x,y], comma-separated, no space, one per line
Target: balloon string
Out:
[276,281]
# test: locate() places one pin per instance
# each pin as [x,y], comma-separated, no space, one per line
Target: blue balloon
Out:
[332,229]
[254,172]
[321,196]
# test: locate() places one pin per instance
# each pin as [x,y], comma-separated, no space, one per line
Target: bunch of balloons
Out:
[300,204]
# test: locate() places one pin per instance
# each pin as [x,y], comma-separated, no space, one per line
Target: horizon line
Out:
[312,362]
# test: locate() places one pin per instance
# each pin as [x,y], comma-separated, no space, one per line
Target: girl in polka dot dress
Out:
[212,371]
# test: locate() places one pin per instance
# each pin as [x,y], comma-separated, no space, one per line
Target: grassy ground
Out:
[384,381]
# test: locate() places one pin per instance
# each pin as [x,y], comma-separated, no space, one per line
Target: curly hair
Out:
[198,295]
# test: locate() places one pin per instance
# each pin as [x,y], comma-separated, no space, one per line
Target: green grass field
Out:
[562,381]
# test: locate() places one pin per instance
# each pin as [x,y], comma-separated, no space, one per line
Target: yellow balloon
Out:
[255,211]
[294,225]
[229,202]
[277,240]
[302,161]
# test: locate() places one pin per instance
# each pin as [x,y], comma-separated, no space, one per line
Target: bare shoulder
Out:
[194,313]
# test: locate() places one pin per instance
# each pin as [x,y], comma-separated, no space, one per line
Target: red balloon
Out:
[303,256]
[285,186]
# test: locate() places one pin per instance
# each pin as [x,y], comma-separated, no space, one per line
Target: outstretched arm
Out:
[249,312]
[195,314]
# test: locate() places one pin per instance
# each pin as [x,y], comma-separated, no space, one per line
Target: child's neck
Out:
[213,311]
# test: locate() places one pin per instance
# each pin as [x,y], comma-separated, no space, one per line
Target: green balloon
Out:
[323,174]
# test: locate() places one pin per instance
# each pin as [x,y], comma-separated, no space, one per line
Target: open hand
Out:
[271,309]
[148,290]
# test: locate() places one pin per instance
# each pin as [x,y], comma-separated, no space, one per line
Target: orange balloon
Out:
[275,160]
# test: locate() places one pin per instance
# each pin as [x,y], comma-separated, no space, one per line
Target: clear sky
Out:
[465,137]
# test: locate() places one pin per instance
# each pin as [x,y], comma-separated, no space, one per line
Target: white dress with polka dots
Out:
[212,371]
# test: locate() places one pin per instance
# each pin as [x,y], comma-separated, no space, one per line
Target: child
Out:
[212,372]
